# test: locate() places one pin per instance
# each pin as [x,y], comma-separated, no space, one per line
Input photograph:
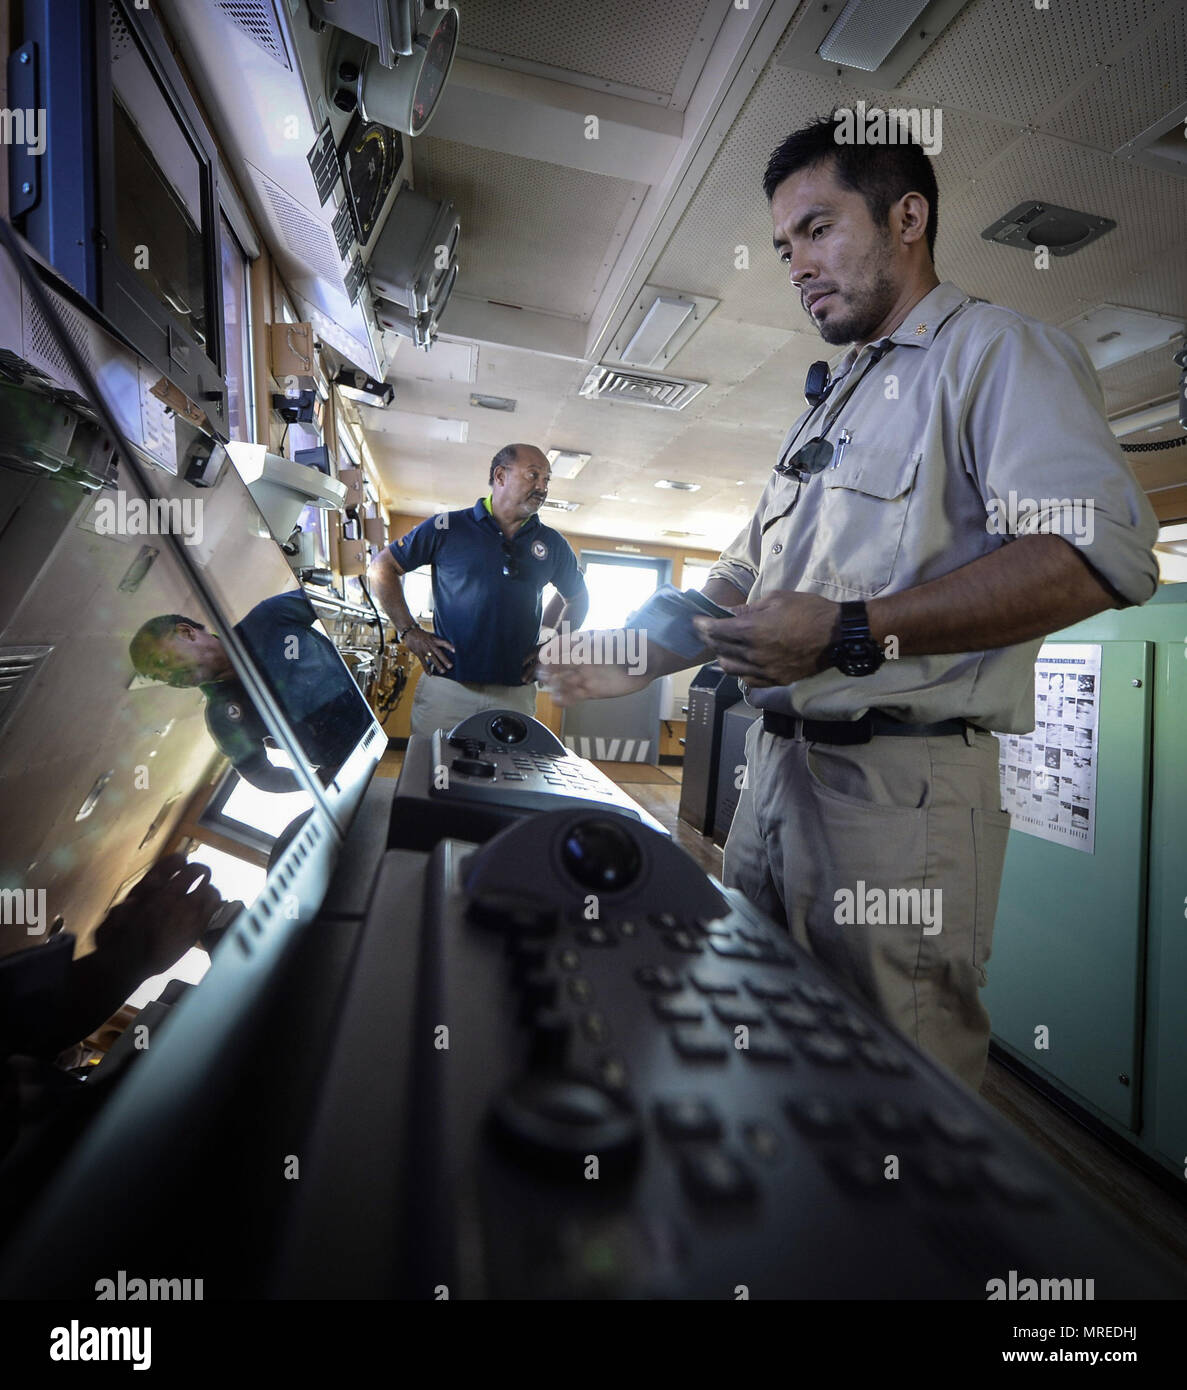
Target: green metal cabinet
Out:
[1090,950]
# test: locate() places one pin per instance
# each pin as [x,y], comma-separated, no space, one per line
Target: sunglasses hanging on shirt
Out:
[817,453]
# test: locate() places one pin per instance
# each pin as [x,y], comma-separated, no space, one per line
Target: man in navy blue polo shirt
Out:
[490,565]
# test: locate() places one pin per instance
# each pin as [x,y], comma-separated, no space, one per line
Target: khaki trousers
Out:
[440,703]
[885,860]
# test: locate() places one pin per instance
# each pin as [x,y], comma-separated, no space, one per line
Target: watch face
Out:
[859,657]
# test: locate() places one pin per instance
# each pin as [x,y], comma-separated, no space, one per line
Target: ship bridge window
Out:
[237,327]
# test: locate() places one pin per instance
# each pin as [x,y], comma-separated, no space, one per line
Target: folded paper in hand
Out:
[667,617]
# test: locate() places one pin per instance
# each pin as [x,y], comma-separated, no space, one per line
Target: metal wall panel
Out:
[1069,941]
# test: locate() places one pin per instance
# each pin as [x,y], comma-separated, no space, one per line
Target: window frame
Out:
[247,385]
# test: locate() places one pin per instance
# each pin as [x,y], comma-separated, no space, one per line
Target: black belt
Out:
[870,725]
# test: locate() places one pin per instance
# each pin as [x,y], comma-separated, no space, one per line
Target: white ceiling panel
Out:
[1149,377]
[535,235]
[725,352]
[1009,59]
[500,367]
[1150,210]
[772,397]
[724,453]
[638,45]
[1132,93]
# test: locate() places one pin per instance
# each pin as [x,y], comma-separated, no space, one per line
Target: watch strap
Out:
[853,622]
[853,650]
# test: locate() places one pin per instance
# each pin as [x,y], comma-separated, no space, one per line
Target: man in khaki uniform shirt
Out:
[870,817]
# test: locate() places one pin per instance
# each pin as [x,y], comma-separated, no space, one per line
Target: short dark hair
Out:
[881,173]
[505,458]
[154,631]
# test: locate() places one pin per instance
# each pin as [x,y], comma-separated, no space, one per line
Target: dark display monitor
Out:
[168,700]
[124,199]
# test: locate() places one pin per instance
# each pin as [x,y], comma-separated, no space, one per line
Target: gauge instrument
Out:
[371,156]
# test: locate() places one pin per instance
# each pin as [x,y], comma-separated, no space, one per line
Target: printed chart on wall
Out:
[1049,777]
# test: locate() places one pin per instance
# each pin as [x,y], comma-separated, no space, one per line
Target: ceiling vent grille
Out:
[640,388]
[257,19]
[559,506]
[18,667]
[39,346]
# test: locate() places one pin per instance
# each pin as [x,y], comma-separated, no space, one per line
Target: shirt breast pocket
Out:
[859,529]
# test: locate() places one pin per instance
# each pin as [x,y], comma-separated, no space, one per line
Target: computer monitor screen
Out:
[172,718]
[242,568]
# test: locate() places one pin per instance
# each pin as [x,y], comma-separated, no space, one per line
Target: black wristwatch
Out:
[854,652]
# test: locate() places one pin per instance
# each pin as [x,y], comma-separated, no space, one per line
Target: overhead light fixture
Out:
[358,386]
[678,486]
[884,38]
[660,325]
[1151,417]
[867,32]
[1112,334]
[566,463]
[493,402]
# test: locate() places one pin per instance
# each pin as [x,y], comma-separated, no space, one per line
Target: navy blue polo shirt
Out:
[492,620]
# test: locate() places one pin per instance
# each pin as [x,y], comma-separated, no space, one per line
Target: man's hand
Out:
[773,641]
[528,670]
[432,650]
[162,917]
[569,683]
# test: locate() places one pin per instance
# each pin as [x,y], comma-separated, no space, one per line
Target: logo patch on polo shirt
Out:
[539,550]
[233,711]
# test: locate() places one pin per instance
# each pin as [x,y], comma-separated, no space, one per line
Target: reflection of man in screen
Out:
[301,666]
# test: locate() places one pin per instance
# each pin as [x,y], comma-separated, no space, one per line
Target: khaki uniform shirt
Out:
[979,425]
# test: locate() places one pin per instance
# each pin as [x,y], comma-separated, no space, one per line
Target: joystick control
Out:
[556,1121]
[474,767]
